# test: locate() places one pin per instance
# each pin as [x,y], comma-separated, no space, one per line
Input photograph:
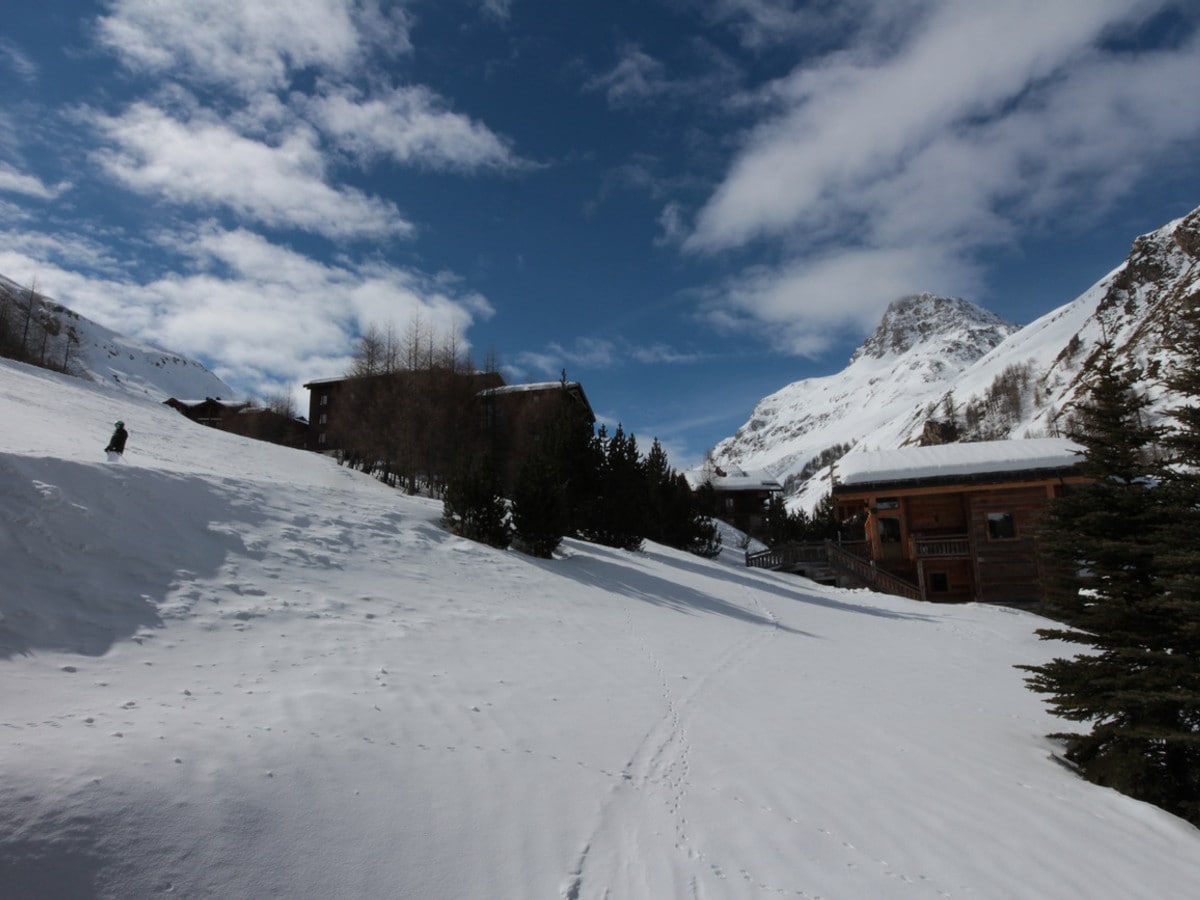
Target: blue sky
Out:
[686,204]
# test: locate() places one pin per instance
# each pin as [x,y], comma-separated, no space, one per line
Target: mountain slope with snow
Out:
[947,364]
[917,353]
[96,353]
[230,669]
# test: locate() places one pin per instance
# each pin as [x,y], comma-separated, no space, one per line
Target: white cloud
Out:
[760,24]
[250,47]
[803,306]
[204,162]
[15,182]
[639,79]
[977,124]
[594,353]
[408,125]
[500,10]
[272,317]
[636,78]
[17,60]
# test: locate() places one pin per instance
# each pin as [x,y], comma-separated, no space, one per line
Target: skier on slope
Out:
[116,444]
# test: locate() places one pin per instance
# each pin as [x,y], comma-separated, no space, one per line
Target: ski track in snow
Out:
[656,781]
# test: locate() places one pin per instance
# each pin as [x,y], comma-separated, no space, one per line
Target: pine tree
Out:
[539,507]
[1178,567]
[780,526]
[473,507]
[661,500]
[673,516]
[618,511]
[1136,683]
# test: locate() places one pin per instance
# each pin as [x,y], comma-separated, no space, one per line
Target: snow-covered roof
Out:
[535,386]
[731,478]
[232,404]
[943,460]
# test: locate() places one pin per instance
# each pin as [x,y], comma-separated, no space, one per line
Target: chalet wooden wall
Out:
[1007,569]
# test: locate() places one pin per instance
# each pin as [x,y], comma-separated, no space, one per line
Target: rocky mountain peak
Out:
[920,318]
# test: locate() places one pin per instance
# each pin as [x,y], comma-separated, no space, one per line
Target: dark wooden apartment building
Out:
[486,412]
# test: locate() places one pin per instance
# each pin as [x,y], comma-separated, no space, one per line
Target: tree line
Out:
[574,480]
[32,331]
[414,411]
[408,411]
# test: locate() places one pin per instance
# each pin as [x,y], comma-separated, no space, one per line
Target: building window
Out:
[324,399]
[888,503]
[321,439]
[889,531]
[323,419]
[1000,526]
[939,583]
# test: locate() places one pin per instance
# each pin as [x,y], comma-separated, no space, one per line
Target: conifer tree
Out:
[539,503]
[1178,567]
[473,506]
[661,499]
[779,525]
[618,510]
[1136,682]
[673,516]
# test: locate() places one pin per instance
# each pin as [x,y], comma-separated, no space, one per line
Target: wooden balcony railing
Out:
[941,547]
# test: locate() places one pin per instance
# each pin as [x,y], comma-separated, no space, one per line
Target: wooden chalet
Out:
[211,411]
[739,496]
[239,417]
[957,522]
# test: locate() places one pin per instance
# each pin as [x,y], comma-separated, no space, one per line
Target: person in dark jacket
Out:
[116,444]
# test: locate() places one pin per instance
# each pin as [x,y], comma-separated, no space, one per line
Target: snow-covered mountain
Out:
[231,670]
[918,352]
[89,350]
[947,370]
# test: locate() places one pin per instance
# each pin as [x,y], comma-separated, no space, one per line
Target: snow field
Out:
[233,670]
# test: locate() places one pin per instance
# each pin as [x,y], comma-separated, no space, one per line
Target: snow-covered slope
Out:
[229,669]
[99,354]
[1129,307]
[952,363]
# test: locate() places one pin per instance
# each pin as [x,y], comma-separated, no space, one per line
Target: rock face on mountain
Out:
[939,369]
[960,330]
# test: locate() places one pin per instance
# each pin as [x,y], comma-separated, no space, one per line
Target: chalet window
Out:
[323,419]
[324,399]
[1000,526]
[889,531]
[888,503]
[321,439]
[939,583]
